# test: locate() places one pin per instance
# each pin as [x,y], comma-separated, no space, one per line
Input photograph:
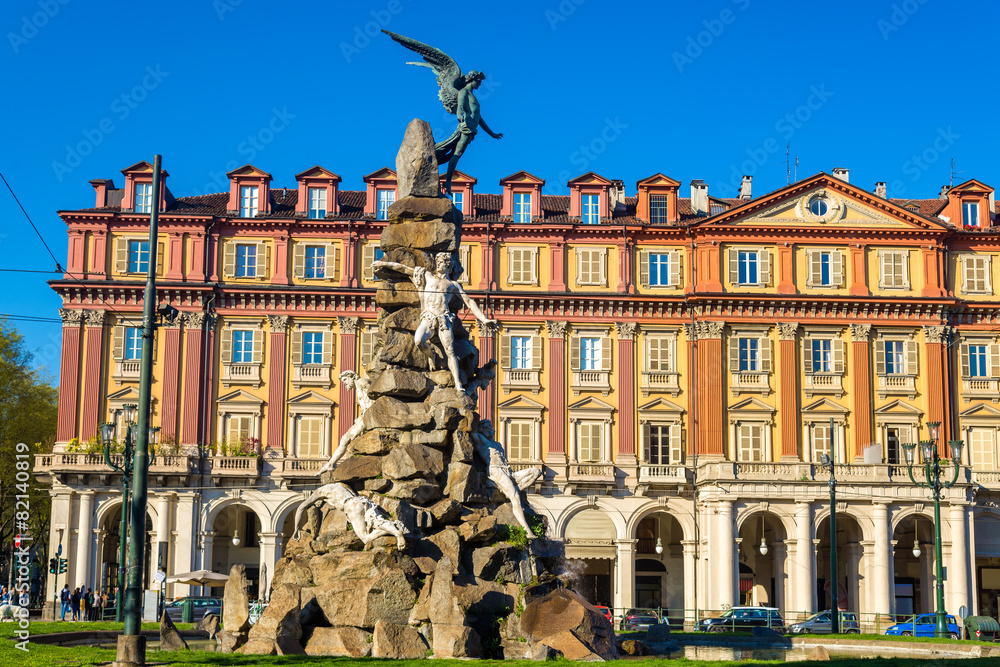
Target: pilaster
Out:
[786,269]
[348,350]
[487,350]
[626,456]
[556,458]
[99,255]
[624,594]
[859,285]
[711,396]
[196,272]
[174,261]
[69,375]
[276,382]
[171,372]
[92,390]
[280,276]
[557,262]
[193,365]
[862,387]
[936,346]
[788,391]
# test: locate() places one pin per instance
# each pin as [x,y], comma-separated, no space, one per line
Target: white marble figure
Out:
[368,519]
[436,289]
[360,386]
[509,482]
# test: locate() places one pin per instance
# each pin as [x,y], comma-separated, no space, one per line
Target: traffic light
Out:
[52,566]
[62,566]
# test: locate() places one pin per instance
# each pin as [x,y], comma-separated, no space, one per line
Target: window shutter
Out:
[734,353]
[885,270]
[160,254]
[226,346]
[676,451]
[260,271]
[814,271]
[880,357]
[327,348]
[367,340]
[367,257]
[536,352]
[121,255]
[765,355]
[574,353]
[965,360]
[900,273]
[332,262]
[296,348]
[807,356]
[646,437]
[995,361]
[533,260]
[911,357]
[581,265]
[229,260]
[644,268]
[734,266]
[606,353]
[675,269]
[836,268]
[514,266]
[505,351]
[987,270]
[118,346]
[764,257]
[602,261]
[258,346]
[299,261]
[463,259]
[838,355]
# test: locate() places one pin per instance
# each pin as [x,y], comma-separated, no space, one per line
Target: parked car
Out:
[202,606]
[604,610]
[922,625]
[822,623]
[640,622]
[739,618]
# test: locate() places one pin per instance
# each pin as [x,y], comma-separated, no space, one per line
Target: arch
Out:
[612,513]
[865,523]
[649,565]
[785,520]
[928,514]
[107,506]
[281,513]
[212,509]
[683,517]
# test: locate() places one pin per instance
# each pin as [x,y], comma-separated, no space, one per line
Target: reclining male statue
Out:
[368,519]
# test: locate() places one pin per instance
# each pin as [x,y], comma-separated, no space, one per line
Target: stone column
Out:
[209,366]
[164,508]
[861,414]
[711,395]
[690,593]
[206,541]
[938,410]
[805,584]
[276,382]
[625,574]
[626,458]
[84,539]
[852,572]
[69,375]
[92,391]
[348,346]
[788,391]
[781,580]
[958,573]
[725,569]
[487,351]
[556,458]
[184,543]
[171,376]
[269,547]
[193,365]
[881,568]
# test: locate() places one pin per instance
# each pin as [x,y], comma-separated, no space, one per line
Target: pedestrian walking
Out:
[64,599]
[75,603]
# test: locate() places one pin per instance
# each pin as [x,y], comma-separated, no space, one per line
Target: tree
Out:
[28,413]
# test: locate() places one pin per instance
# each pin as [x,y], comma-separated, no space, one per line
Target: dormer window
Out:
[458,198]
[658,209]
[386,198]
[522,207]
[590,213]
[970,214]
[143,197]
[317,203]
[249,198]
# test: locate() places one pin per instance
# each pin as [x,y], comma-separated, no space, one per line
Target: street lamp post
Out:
[932,481]
[828,462]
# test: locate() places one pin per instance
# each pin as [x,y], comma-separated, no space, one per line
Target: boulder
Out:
[423,209]
[334,523]
[464,484]
[413,460]
[432,236]
[446,511]
[401,350]
[209,623]
[389,412]
[461,447]
[397,294]
[378,485]
[634,647]
[362,602]
[568,645]
[278,625]
[443,605]
[515,650]
[357,468]
[416,164]
[500,561]
[170,639]
[399,642]
[456,641]
[343,641]
[404,319]
[347,565]
[430,438]
[416,491]
[235,610]
[562,620]
[294,570]
[758,631]
[658,634]
[483,530]
[376,441]
[818,654]
[428,552]
[421,612]
[396,381]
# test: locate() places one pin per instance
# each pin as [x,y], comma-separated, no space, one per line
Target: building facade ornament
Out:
[488,329]
[95,318]
[710,329]
[349,325]
[279,323]
[626,330]
[193,320]
[71,317]
[861,332]
[787,330]
[937,333]
[557,329]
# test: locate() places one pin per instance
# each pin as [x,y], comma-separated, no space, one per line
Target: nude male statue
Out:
[499,472]
[360,386]
[368,520]
[436,289]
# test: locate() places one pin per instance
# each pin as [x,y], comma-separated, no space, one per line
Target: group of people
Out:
[84,604]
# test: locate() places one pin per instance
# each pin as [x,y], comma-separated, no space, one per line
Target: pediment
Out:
[459,177]
[240,397]
[972,185]
[522,177]
[981,411]
[522,402]
[250,171]
[825,405]
[590,178]
[898,407]
[124,395]
[310,397]
[592,404]
[845,205]
[658,180]
[752,405]
[661,405]
[383,173]
[316,172]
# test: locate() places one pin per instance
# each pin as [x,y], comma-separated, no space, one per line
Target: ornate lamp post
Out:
[932,476]
[107,430]
[827,462]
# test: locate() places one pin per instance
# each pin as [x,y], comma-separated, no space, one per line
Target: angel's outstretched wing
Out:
[447,70]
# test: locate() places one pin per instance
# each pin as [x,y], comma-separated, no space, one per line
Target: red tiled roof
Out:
[928,208]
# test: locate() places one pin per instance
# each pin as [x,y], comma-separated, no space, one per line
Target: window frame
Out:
[136,249]
[317,270]
[592,359]
[590,208]
[384,198]
[249,260]
[314,211]
[522,208]
[521,347]
[143,198]
[904,261]
[132,343]
[525,252]
[659,215]
[249,201]
[970,211]
[243,351]
[986,269]
[590,256]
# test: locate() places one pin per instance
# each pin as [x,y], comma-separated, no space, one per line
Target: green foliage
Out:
[515,536]
[537,525]
[500,580]
[242,447]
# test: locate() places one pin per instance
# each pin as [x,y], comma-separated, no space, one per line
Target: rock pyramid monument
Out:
[419,542]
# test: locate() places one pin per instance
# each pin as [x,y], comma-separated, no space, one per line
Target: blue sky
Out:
[706,90]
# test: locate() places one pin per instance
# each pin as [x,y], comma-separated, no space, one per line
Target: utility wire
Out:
[29,318]
[32,223]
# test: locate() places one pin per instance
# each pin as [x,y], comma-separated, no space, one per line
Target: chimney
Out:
[944,192]
[745,188]
[616,195]
[842,173]
[880,190]
[699,197]
[101,187]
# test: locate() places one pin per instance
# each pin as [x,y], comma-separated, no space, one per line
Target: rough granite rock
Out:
[342,641]
[377,441]
[170,639]
[456,641]
[464,484]
[818,654]
[416,164]
[358,468]
[277,631]
[362,602]
[404,319]
[397,294]
[413,460]
[399,642]
[292,570]
[401,382]
[562,619]
[446,511]
[429,438]
[428,552]
[423,209]
[209,623]
[235,610]
[433,236]
[633,647]
[501,561]
[416,491]
[389,412]
[658,634]
[568,645]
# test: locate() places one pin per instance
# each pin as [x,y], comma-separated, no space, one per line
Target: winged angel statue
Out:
[456,93]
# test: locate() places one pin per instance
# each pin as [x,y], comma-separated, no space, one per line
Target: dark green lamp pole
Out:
[932,480]
[828,462]
[108,436]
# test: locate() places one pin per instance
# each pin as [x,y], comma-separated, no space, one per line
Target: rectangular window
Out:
[315,261]
[133,344]
[522,266]
[895,357]
[317,203]
[822,355]
[457,198]
[312,347]
[520,351]
[658,209]
[239,429]
[246,260]
[751,443]
[138,256]
[144,198]
[589,209]
[749,355]
[522,207]
[658,452]
[590,354]
[248,201]
[591,436]
[659,269]
[386,198]
[519,442]
[970,214]
[822,442]
[590,266]
[715,209]
[242,347]
[310,437]
[658,354]
[976,270]
[894,271]
[982,448]
[748,267]
[824,269]
[977,361]
[378,255]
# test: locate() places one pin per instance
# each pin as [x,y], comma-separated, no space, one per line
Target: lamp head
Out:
[133,430]
[763,547]
[933,429]
[154,436]
[659,545]
[129,411]
[927,449]
[908,450]
[236,538]
[107,433]
[916,549]
[956,451]
[167,312]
